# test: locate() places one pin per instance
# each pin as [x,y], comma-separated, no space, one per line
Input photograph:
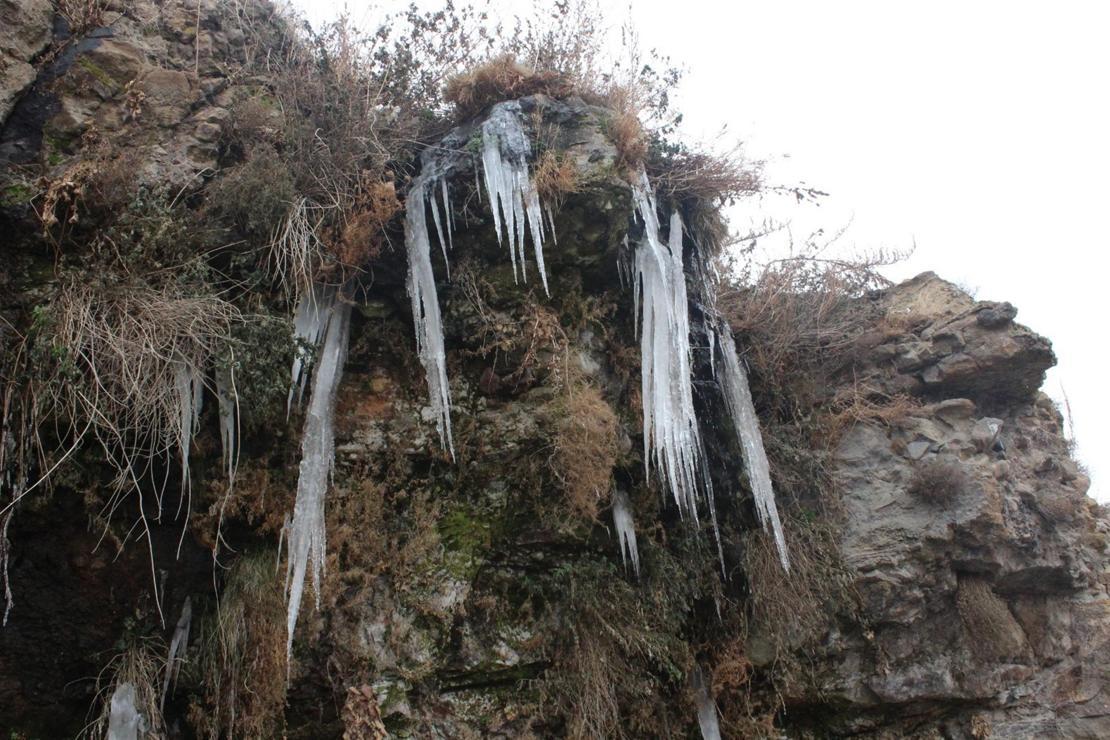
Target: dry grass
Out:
[703,175]
[792,611]
[626,130]
[499,79]
[141,666]
[119,361]
[938,482]
[555,176]
[362,719]
[585,447]
[82,16]
[992,631]
[242,663]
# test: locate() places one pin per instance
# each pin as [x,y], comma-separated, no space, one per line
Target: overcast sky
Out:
[979,131]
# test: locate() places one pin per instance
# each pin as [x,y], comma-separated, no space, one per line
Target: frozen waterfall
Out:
[672,441]
[306,532]
[124,720]
[310,319]
[707,708]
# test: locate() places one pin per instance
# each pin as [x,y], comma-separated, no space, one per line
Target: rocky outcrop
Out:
[28,28]
[465,598]
[981,563]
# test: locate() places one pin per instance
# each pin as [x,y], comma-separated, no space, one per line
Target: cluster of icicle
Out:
[329,319]
[738,398]
[189,384]
[515,206]
[672,441]
[626,530]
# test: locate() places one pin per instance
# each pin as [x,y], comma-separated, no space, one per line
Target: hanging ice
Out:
[738,399]
[190,397]
[626,530]
[671,438]
[228,399]
[707,708]
[306,532]
[425,301]
[512,196]
[309,321]
[178,644]
[124,720]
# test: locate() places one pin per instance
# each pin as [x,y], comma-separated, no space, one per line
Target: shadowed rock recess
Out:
[948,575]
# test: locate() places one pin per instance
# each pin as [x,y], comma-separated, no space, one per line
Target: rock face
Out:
[464,598]
[27,32]
[981,563]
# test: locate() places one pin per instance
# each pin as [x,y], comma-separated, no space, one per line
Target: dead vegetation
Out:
[501,78]
[992,632]
[938,482]
[124,367]
[584,448]
[138,670]
[241,666]
[555,176]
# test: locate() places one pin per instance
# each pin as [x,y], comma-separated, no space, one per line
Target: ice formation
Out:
[626,530]
[425,301]
[672,441]
[707,708]
[310,319]
[228,400]
[124,720]
[738,399]
[516,210]
[178,644]
[306,535]
[190,396]
[512,196]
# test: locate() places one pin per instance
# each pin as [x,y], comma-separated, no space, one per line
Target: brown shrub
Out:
[242,661]
[555,176]
[626,130]
[584,443]
[358,237]
[501,78]
[362,720]
[938,482]
[700,174]
[791,610]
[992,631]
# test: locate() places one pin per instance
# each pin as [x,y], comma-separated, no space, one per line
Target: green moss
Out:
[467,538]
[98,73]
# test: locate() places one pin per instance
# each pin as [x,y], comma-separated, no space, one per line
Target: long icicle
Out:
[306,532]
[672,440]
[426,317]
[738,399]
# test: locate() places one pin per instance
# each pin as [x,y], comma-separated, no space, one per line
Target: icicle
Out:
[190,397]
[179,643]
[306,533]
[309,321]
[425,308]
[512,196]
[711,336]
[707,708]
[738,399]
[229,422]
[626,530]
[124,720]
[672,441]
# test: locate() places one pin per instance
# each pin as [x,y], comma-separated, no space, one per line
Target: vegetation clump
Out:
[938,482]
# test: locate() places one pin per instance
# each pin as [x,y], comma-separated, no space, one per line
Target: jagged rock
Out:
[27,31]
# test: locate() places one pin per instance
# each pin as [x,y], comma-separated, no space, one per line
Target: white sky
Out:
[978,130]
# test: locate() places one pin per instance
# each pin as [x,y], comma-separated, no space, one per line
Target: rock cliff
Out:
[949,575]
